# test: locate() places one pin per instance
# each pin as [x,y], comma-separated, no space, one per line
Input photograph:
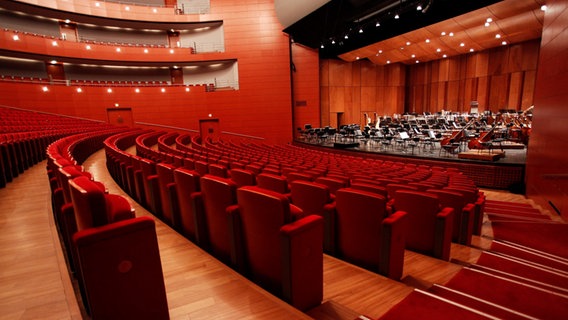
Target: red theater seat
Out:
[464,214]
[280,253]
[314,198]
[187,183]
[273,182]
[333,184]
[213,221]
[366,236]
[429,226]
[243,177]
[170,206]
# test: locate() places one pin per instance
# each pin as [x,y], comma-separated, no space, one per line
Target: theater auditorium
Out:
[283,159]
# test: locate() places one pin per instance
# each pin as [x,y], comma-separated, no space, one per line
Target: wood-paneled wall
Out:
[499,78]
[348,90]
[547,160]
[306,84]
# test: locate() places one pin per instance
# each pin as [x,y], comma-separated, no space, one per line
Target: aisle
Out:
[34,282]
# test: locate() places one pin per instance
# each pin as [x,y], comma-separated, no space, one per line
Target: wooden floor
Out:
[34,282]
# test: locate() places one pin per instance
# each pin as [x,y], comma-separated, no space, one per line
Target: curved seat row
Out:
[25,135]
[367,220]
[112,254]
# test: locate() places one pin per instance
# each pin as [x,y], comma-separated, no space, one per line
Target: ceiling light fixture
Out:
[451,34]
[332,41]
[388,61]
[45,89]
[444,56]
[427,40]
[543,7]
[361,30]
[16,37]
[396,16]
[443,33]
[137,90]
[438,50]
[418,8]
[498,36]
[487,24]
[346,37]
[504,43]
[322,46]
[407,43]
[462,44]
[378,24]
[88,47]
[54,43]
[79,90]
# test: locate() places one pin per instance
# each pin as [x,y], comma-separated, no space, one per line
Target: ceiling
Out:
[442,28]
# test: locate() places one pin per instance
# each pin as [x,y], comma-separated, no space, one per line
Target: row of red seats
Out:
[253,230]
[25,136]
[112,254]
[191,169]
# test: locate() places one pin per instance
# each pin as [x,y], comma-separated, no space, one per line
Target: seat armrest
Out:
[174,205]
[443,233]
[467,222]
[329,232]
[236,236]
[393,244]
[200,220]
[302,262]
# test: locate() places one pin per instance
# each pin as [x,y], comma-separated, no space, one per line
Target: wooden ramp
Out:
[483,155]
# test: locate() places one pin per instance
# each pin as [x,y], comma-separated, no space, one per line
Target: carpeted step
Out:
[477,303]
[426,306]
[523,271]
[529,254]
[547,237]
[510,294]
[507,203]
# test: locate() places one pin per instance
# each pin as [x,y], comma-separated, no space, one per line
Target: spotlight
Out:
[418,8]
[361,30]
[396,16]
[322,46]
[377,24]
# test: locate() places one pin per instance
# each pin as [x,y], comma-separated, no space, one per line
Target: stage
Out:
[501,167]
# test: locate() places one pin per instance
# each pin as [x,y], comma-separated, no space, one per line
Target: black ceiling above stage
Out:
[338,18]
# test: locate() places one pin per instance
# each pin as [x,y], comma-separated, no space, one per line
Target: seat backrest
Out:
[332,183]
[370,188]
[359,215]
[94,208]
[243,177]
[262,214]
[217,194]
[201,167]
[293,176]
[218,170]
[187,183]
[421,208]
[392,188]
[272,182]
[165,174]
[309,196]
[65,174]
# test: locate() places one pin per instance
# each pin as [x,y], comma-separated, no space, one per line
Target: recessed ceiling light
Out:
[322,46]
[137,90]
[380,51]
[171,50]
[332,41]
[118,50]
[451,34]
[498,36]
[388,61]
[54,43]
[462,44]
[145,50]
[67,21]
[154,10]
[427,40]
[407,43]
[361,30]
[396,16]
[418,7]
[88,47]
[504,43]
[45,89]
[127,8]
[543,7]
[443,33]
[187,89]
[489,20]
[346,37]
[53,62]
[413,56]
[377,24]
[79,90]
[417,61]
[163,90]
[109,90]
[438,50]
[357,58]
[444,56]
[16,37]
[471,50]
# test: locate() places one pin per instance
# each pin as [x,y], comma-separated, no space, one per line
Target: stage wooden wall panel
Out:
[515,90]
[546,178]
[528,89]
[306,84]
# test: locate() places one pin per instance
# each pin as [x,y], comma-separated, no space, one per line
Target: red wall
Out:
[261,108]
[306,102]
[547,159]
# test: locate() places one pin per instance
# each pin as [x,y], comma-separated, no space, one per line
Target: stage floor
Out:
[512,155]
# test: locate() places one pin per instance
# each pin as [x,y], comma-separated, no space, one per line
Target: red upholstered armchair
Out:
[366,235]
[243,177]
[151,186]
[118,259]
[429,226]
[273,182]
[463,214]
[187,183]
[315,198]
[333,184]
[212,219]
[165,174]
[280,253]
[478,199]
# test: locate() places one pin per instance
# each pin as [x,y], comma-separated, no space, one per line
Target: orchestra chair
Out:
[243,177]
[202,167]
[315,198]
[273,182]
[450,148]
[165,173]
[280,252]
[477,199]
[212,222]
[464,214]
[366,235]
[429,226]
[218,170]
[332,183]
[186,183]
